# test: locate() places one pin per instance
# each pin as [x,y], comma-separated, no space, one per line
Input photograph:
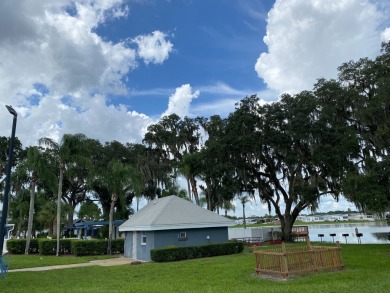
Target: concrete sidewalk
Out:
[102,262]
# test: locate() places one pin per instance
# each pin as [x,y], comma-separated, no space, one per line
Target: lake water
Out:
[373,232]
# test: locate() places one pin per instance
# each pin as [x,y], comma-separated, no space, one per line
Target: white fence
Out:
[264,233]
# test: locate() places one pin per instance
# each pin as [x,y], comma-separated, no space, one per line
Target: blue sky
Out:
[110,68]
[215,46]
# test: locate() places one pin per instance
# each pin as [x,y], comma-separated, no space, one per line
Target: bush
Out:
[117,246]
[67,246]
[188,252]
[89,247]
[49,246]
[17,246]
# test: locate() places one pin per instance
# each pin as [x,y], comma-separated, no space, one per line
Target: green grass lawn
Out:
[30,261]
[367,270]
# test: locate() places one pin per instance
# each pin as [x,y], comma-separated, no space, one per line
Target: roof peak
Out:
[172,211]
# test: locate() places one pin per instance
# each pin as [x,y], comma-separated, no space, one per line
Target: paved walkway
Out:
[101,262]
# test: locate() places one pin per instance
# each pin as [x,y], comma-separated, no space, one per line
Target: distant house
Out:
[360,216]
[343,217]
[313,219]
[172,221]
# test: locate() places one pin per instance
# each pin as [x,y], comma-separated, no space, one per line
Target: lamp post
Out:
[8,179]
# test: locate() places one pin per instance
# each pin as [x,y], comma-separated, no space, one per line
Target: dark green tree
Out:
[368,85]
[117,179]
[89,211]
[218,172]
[67,153]
[34,168]
[294,151]
[170,139]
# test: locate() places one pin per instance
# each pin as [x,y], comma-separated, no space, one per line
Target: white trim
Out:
[134,252]
[174,226]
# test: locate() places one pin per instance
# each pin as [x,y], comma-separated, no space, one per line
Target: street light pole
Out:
[8,179]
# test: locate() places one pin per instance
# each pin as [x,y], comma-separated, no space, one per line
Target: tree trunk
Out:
[114,198]
[243,215]
[286,227]
[30,215]
[59,208]
[51,229]
[189,189]
[19,226]
[70,220]
[194,190]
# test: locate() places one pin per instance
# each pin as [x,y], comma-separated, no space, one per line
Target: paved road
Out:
[102,262]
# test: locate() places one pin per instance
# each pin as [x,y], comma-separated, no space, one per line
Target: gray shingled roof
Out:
[172,212]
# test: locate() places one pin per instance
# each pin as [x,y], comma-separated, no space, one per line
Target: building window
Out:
[182,236]
[143,238]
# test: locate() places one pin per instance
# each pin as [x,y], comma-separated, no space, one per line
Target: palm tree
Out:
[117,179]
[36,167]
[47,215]
[66,152]
[244,199]
[19,207]
[190,168]
[227,205]
[89,211]
[138,183]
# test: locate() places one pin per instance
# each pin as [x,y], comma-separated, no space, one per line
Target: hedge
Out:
[188,252]
[67,246]
[17,246]
[117,246]
[96,247]
[49,246]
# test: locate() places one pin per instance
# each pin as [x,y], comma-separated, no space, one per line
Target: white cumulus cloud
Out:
[154,48]
[386,35]
[308,40]
[57,71]
[179,102]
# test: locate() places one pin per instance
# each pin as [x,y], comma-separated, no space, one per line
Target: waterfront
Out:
[373,232]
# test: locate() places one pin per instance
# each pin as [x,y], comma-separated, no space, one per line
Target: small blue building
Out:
[172,221]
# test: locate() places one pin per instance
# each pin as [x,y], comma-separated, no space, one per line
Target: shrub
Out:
[67,246]
[49,246]
[17,246]
[117,246]
[89,247]
[188,252]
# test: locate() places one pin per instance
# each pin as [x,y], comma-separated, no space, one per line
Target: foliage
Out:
[188,252]
[89,247]
[68,153]
[67,246]
[19,153]
[170,139]
[116,178]
[368,85]
[89,211]
[118,246]
[218,172]
[35,169]
[48,246]
[47,215]
[18,246]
